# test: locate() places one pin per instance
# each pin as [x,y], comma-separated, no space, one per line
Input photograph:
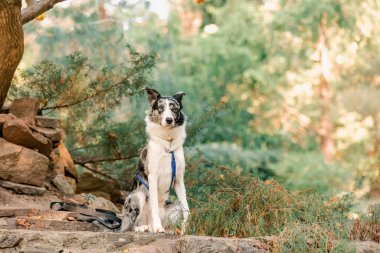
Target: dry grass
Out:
[367,228]
[226,203]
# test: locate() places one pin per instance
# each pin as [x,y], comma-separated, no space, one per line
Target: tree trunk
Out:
[325,95]
[11,43]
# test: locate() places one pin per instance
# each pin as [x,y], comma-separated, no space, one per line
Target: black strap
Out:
[105,217]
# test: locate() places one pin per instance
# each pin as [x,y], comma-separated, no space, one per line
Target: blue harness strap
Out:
[174,171]
[142,181]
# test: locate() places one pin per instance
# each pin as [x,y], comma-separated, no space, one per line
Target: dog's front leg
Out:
[180,190]
[153,201]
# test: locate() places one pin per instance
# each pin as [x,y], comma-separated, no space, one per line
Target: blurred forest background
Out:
[275,89]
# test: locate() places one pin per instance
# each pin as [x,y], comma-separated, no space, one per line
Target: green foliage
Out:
[78,84]
[244,207]
[256,163]
[308,171]
[85,97]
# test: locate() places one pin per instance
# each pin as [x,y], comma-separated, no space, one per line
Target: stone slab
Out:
[52,134]
[34,212]
[25,108]
[17,132]
[48,122]
[22,188]
[132,242]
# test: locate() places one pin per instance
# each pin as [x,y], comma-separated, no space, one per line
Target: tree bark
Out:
[37,8]
[325,95]
[11,43]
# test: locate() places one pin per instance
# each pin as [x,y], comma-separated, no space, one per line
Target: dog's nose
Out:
[169,120]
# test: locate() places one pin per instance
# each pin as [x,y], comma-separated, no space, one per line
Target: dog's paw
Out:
[157,229]
[142,228]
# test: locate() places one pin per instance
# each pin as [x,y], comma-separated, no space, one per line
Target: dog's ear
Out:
[153,95]
[179,96]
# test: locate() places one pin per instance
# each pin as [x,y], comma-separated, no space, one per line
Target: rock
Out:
[157,246]
[36,223]
[52,134]
[72,182]
[102,194]
[47,122]
[61,183]
[62,163]
[90,183]
[25,108]
[367,247]
[132,242]
[9,241]
[4,118]
[34,212]
[56,167]
[104,204]
[22,165]
[206,244]
[17,132]
[22,188]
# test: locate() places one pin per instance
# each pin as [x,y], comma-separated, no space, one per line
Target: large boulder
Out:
[25,108]
[89,183]
[17,132]
[22,165]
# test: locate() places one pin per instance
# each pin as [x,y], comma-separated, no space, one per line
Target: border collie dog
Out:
[161,167]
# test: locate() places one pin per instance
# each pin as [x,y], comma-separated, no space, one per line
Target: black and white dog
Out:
[161,167]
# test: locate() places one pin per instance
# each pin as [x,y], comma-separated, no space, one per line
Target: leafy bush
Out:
[308,171]
[232,203]
[257,163]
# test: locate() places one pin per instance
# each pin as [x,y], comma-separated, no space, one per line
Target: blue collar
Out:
[174,169]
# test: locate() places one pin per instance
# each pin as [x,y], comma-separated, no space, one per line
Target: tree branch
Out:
[83,161]
[32,11]
[97,93]
[98,172]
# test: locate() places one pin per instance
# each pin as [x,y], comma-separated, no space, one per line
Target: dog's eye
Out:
[175,110]
[160,109]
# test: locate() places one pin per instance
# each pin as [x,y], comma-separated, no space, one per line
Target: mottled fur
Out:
[149,209]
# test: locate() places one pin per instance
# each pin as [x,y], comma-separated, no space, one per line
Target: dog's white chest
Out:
[164,172]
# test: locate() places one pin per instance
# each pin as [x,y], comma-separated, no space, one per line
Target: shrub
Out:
[367,227]
[308,170]
[227,202]
[235,205]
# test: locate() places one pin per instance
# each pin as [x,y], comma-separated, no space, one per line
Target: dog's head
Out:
[166,110]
